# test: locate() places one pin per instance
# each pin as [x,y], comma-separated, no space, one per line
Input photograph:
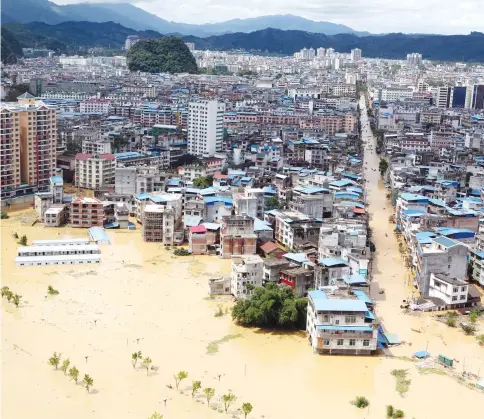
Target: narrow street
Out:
[388,273]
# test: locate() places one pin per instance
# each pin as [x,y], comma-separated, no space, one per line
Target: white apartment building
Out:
[355,55]
[246,270]
[340,325]
[94,171]
[100,106]
[449,290]
[250,203]
[96,146]
[392,93]
[205,127]
[125,180]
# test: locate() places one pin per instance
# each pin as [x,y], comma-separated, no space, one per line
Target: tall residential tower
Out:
[205,127]
[28,133]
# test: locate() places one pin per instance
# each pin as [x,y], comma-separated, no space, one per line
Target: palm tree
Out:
[135,357]
[74,374]
[179,377]
[65,365]
[246,409]
[228,399]
[55,359]
[196,385]
[88,382]
[209,393]
[146,363]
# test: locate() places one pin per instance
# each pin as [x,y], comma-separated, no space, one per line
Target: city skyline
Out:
[426,16]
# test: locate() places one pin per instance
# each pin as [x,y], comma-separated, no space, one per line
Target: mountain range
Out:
[26,11]
[69,36]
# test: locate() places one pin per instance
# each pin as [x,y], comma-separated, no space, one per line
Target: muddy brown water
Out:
[143,298]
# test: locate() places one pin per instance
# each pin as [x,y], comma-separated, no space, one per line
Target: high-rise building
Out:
[28,132]
[355,55]
[459,96]
[205,127]
[329,52]
[414,58]
[191,46]
[320,52]
[441,96]
[477,96]
[130,41]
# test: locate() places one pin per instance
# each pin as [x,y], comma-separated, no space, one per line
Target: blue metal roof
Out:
[332,262]
[98,234]
[361,295]
[260,225]
[414,197]
[355,279]
[210,200]
[339,183]
[312,190]
[413,212]
[296,257]
[444,241]
[56,179]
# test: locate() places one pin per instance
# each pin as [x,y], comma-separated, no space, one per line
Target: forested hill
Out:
[396,46]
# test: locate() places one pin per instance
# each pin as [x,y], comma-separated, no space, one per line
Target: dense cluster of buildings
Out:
[265,170]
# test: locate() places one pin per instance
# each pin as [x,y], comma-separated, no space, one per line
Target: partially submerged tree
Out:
[55,359]
[88,382]
[180,377]
[51,290]
[135,357]
[16,299]
[146,363]
[74,374]
[156,415]
[196,385]
[468,329]
[65,365]
[246,409]
[361,402]
[5,291]
[228,399]
[209,393]
[23,240]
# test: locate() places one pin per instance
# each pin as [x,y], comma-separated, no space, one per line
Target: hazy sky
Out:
[377,16]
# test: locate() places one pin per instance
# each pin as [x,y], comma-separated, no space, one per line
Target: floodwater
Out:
[142,298]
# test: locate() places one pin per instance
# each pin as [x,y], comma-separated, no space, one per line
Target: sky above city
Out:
[376,16]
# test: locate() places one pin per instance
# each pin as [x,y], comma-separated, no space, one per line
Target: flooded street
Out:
[142,298]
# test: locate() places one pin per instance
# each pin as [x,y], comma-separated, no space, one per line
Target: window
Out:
[350,319]
[462,297]
[454,298]
[366,342]
[463,289]
[352,342]
[456,289]
[340,342]
[325,318]
[326,342]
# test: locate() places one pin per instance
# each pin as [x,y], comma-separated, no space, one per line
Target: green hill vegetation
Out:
[162,55]
[11,49]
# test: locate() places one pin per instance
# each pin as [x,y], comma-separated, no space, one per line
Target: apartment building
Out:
[94,171]
[205,127]
[312,201]
[98,106]
[339,323]
[250,203]
[246,272]
[158,224]
[96,146]
[237,236]
[28,140]
[87,212]
[57,255]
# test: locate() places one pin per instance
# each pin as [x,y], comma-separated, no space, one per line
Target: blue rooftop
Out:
[332,262]
[321,304]
[414,197]
[444,241]
[355,279]
[56,180]
[363,296]
[210,200]
[98,234]
[296,257]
